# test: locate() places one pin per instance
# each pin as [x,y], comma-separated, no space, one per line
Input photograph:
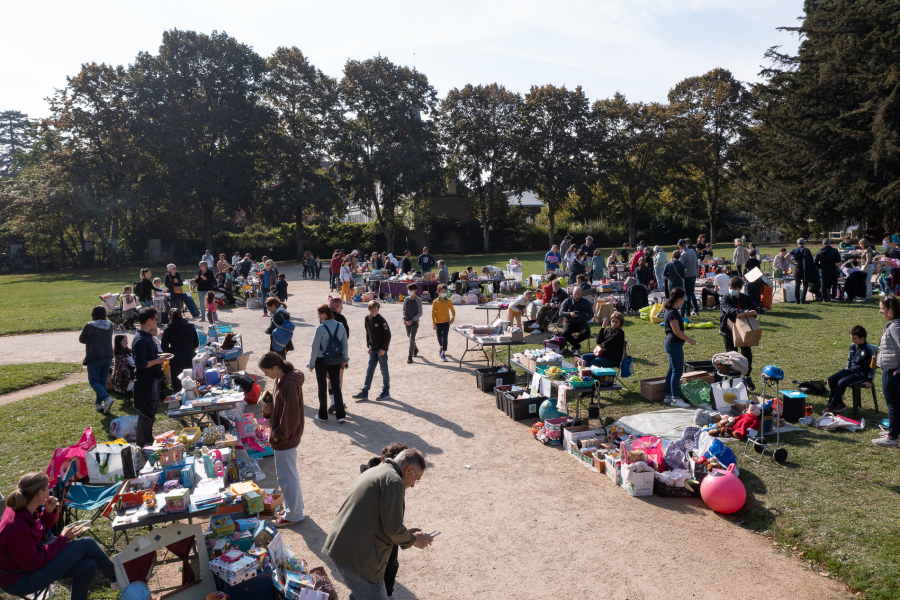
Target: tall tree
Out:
[477,126]
[94,122]
[387,152]
[199,113]
[13,139]
[308,116]
[635,154]
[828,142]
[711,112]
[553,140]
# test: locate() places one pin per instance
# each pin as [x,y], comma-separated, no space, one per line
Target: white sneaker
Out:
[679,403]
[130,386]
[886,442]
[107,404]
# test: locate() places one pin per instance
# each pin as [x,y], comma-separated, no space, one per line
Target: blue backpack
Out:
[282,335]
[334,350]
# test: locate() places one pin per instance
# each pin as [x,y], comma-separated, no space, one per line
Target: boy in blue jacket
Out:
[858,370]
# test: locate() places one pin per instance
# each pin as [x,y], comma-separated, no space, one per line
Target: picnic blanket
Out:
[670,424]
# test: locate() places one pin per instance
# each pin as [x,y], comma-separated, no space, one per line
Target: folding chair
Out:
[619,367]
[91,498]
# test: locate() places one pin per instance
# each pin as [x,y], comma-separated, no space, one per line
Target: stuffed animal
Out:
[189,386]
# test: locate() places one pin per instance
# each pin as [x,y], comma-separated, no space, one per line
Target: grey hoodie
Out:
[412,308]
[97,337]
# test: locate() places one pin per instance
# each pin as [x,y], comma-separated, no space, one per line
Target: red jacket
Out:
[20,544]
[636,259]
[335,265]
[547,293]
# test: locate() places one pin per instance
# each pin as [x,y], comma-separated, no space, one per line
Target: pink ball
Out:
[723,491]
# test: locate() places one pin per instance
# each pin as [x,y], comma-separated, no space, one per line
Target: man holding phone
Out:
[371,520]
[148,364]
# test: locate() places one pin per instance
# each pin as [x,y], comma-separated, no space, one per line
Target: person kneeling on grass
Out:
[442,316]
[858,370]
[610,344]
[378,339]
[515,310]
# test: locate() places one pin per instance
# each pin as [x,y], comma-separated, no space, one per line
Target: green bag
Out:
[696,392]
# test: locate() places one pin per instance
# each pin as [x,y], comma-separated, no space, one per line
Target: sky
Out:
[641,48]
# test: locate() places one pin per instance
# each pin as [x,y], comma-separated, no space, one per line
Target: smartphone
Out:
[83,523]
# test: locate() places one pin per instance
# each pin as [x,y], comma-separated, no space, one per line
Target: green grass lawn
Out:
[19,377]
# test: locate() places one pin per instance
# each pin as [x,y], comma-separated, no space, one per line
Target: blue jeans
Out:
[840,381]
[189,300]
[201,297]
[690,284]
[79,560]
[443,330]
[382,361]
[890,388]
[598,361]
[676,368]
[360,587]
[98,372]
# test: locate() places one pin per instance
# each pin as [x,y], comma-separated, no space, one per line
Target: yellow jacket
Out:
[442,311]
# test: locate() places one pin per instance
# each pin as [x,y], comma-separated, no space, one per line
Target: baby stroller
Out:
[636,298]
[114,312]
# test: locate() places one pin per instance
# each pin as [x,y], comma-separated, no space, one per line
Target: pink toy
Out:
[723,491]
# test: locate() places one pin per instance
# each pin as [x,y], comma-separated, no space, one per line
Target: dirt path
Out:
[525,521]
[45,388]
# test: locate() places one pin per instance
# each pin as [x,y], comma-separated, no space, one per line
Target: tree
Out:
[827,144]
[710,113]
[13,139]
[635,152]
[386,151]
[200,116]
[552,142]
[308,117]
[477,126]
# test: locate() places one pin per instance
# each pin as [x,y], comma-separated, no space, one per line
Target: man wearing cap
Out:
[805,271]
[691,271]
[828,260]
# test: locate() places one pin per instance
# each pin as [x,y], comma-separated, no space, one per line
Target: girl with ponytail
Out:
[674,346]
[28,562]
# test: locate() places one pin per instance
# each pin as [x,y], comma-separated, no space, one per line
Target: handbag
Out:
[177,289]
[626,369]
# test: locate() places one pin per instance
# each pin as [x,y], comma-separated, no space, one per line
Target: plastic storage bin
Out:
[490,377]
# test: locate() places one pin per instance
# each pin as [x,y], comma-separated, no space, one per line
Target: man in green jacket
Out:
[371,520]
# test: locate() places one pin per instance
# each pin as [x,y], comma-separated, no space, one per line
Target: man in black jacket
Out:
[828,261]
[378,338]
[406,263]
[181,339]
[805,271]
[576,311]
[733,304]
[148,363]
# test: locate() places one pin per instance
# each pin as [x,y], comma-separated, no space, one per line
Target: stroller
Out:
[114,312]
[636,298]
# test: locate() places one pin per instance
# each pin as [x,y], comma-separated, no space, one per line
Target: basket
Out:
[581,384]
[556,375]
[696,392]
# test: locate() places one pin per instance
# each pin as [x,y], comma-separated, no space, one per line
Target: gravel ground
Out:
[518,519]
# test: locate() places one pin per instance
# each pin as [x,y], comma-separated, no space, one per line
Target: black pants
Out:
[544,315]
[443,330]
[829,287]
[705,294]
[840,381]
[333,373]
[800,298]
[390,573]
[146,401]
[575,333]
[747,352]
[175,368]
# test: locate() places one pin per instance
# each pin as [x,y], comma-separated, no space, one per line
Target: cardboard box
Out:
[653,388]
[222,525]
[612,469]
[253,503]
[235,365]
[528,362]
[575,433]
[599,461]
[704,375]
[641,483]
[746,331]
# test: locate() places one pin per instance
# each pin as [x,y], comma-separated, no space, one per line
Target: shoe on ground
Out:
[409,360]
[443,357]
[886,442]
[383,396]
[749,383]
[416,351]
[679,403]
[107,404]
[357,396]
[98,406]
[130,386]
[838,407]
[318,418]
[342,420]
[667,400]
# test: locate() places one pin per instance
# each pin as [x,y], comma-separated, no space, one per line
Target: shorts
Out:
[516,312]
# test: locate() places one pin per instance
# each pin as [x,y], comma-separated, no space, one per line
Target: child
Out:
[378,338]
[346,281]
[884,281]
[858,370]
[781,264]
[211,307]
[318,264]
[123,365]
[598,266]
[514,313]
[886,243]
[733,304]
[412,311]
[226,287]
[442,316]
[129,307]
[281,288]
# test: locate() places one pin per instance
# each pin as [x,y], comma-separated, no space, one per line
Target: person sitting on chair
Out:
[551,305]
[610,344]
[858,370]
[576,311]
[581,281]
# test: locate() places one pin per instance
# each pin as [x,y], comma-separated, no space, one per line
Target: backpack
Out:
[282,335]
[334,350]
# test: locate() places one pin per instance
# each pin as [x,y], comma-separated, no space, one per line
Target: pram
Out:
[114,312]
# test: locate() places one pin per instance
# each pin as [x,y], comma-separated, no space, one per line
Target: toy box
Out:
[245,426]
[264,533]
[177,501]
[170,454]
[253,503]
[222,525]
[190,436]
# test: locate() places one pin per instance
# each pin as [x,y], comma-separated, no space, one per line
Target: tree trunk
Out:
[552,218]
[299,231]
[487,235]
[712,223]
[207,224]
[632,219]
[114,244]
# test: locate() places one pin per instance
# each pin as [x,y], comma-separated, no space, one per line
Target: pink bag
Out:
[653,449]
[63,457]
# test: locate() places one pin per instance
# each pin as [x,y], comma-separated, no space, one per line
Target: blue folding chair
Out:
[91,498]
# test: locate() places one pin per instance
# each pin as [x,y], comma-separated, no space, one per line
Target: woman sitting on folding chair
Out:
[28,561]
[610,344]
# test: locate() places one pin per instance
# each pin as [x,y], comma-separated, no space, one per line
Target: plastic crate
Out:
[581,384]
[506,398]
[498,390]
[519,409]
[488,378]
[563,372]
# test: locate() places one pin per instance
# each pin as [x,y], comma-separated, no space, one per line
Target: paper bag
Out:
[603,310]
[726,393]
